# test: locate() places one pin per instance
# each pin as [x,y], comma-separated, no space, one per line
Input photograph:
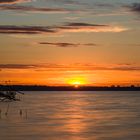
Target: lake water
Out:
[72,115]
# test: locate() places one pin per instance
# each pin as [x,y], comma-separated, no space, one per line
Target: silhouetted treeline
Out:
[67,88]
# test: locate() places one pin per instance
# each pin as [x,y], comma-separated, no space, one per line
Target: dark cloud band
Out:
[68,27]
[134,7]
[65,45]
[13,1]
[83,67]
[25,29]
[33,9]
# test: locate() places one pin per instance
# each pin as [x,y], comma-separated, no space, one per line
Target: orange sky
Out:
[92,42]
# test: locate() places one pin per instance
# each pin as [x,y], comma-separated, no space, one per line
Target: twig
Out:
[6,113]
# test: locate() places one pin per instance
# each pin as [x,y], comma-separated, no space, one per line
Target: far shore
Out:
[67,88]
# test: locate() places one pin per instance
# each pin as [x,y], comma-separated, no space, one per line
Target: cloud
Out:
[16,66]
[110,67]
[72,67]
[86,27]
[10,5]
[13,1]
[33,9]
[69,2]
[135,7]
[68,27]
[102,5]
[66,44]
[25,29]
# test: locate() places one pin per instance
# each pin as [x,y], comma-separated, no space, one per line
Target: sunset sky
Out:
[65,42]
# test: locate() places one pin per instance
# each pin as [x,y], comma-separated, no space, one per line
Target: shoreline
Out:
[67,88]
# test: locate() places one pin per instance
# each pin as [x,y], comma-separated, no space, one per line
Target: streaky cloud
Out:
[68,27]
[106,5]
[6,29]
[82,24]
[69,2]
[65,45]
[17,66]
[13,1]
[72,67]
[34,9]
[86,27]
[134,7]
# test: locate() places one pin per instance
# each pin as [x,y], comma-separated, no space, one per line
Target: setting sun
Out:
[76,82]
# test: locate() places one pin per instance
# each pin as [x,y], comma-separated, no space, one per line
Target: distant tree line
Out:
[68,88]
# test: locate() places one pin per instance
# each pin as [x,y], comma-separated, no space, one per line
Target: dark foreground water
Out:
[72,116]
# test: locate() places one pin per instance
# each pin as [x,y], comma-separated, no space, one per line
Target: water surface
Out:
[72,115]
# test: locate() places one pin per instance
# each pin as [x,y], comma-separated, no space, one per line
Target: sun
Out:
[76,82]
